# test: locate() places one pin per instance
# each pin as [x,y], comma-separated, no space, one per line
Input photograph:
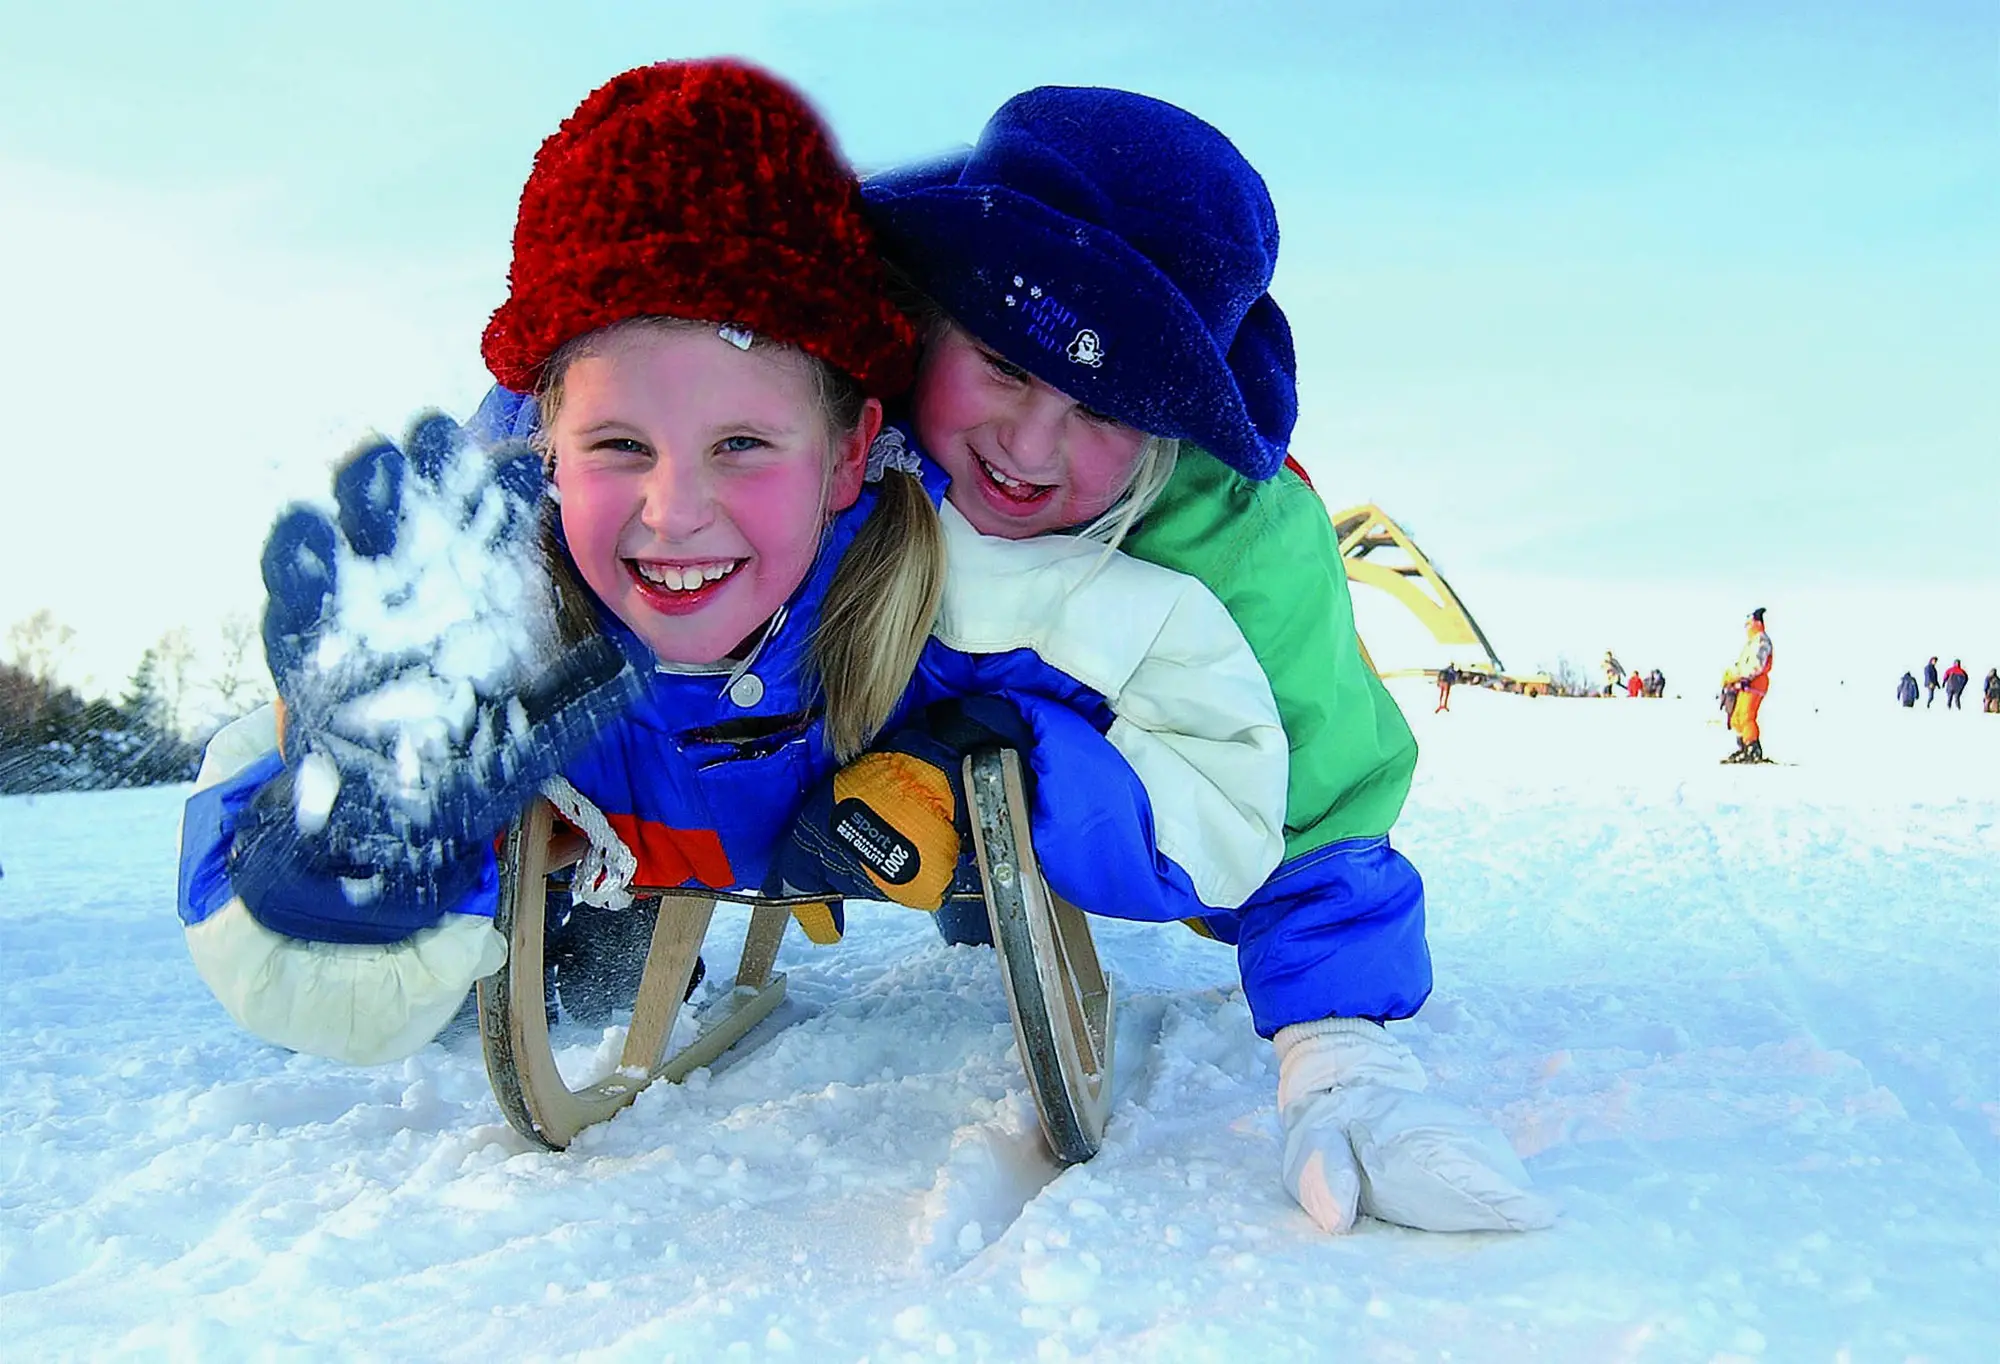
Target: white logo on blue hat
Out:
[1047,320]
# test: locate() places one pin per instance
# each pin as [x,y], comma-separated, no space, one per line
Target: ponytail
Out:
[878,613]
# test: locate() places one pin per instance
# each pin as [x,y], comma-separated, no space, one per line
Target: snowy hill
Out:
[1740,1022]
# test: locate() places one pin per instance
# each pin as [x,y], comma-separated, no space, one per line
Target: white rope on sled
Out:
[604,876]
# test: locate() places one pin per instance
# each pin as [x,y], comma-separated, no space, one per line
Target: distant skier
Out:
[1447,679]
[1747,680]
[1906,691]
[1930,682]
[1991,690]
[1635,685]
[1614,672]
[1955,678]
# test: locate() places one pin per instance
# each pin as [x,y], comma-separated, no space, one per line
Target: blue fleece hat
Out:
[1117,248]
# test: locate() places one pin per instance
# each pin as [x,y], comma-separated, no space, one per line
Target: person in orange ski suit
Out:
[1748,679]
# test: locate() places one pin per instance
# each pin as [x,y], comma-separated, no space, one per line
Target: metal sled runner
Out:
[1057,992]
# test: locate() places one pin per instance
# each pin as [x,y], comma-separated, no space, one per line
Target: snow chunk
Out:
[314,785]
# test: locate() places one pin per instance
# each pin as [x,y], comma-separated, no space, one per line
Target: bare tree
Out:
[175,656]
[239,679]
[40,645]
[1568,679]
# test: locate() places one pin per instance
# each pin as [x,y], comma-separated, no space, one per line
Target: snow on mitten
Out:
[1362,1135]
[428,690]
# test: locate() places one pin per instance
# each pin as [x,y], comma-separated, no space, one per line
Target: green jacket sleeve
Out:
[1268,551]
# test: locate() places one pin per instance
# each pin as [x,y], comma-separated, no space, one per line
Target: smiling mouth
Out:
[1017,490]
[685,578]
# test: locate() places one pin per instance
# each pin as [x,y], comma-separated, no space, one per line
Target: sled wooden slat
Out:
[678,931]
[566,849]
[761,942]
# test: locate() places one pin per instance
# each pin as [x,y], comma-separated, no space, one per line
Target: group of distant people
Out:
[1952,682]
[1451,675]
[1631,681]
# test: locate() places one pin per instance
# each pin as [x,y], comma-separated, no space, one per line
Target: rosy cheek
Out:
[780,512]
[576,508]
[591,521]
[575,524]
[1112,460]
[946,404]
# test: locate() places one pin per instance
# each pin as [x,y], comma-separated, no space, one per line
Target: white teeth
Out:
[1002,479]
[679,578]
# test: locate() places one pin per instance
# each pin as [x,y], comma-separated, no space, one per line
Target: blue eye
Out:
[737,445]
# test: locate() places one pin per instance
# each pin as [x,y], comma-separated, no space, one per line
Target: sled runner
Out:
[1056,988]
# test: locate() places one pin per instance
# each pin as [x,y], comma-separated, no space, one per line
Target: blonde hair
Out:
[878,613]
[1150,476]
[885,593]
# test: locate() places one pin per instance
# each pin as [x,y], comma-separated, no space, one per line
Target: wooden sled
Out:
[1057,992]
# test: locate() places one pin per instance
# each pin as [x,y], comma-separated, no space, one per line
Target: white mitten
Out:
[1362,1135]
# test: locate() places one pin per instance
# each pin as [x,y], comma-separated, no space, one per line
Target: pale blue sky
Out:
[1703,293]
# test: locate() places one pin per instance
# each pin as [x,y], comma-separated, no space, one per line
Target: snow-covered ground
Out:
[1741,1023]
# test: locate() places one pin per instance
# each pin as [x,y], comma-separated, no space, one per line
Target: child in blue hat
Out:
[1104,357]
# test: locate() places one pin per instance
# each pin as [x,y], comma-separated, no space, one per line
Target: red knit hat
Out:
[705,190]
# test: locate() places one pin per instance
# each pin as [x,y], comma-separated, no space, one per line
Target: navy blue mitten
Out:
[428,690]
[892,824]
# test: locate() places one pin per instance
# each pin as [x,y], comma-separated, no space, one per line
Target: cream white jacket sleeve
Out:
[1195,716]
[350,1002]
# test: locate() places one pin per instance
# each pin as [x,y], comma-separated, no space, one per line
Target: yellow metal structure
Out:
[1381,553]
